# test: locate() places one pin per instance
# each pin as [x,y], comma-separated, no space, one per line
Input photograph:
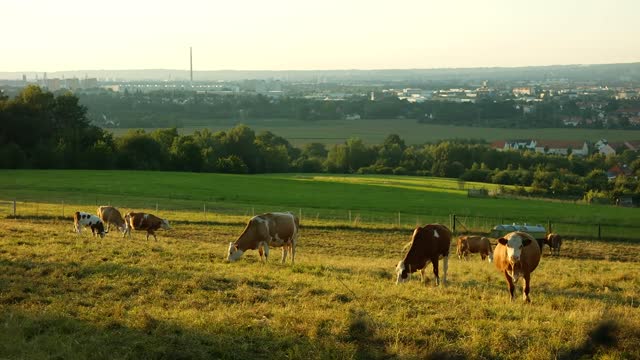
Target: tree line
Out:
[40,130]
[176,108]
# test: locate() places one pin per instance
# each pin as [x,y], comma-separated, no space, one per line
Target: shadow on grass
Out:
[53,336]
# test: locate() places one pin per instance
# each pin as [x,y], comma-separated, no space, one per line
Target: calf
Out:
[516,255]
[474,244]
[143,221]
[110,215]
[83,219]
[428,243]
[555,242]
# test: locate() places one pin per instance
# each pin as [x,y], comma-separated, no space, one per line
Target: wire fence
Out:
[225,213]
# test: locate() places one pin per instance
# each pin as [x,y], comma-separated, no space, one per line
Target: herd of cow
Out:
[516,254]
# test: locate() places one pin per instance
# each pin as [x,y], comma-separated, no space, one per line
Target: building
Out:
[553,147]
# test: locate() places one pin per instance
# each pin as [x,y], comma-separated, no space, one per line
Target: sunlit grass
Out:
[68,296]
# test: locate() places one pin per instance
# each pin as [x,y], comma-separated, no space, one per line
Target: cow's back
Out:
[282,226]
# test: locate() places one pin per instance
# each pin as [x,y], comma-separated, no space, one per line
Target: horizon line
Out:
[320,69]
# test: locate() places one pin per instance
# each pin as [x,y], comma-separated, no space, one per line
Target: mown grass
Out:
[73,297]
[375,131]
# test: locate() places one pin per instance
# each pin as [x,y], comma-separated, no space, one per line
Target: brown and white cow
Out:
[428,243]
[110,215]
[83,219]
[555,242]
[516,255]
[265,230]
[474,244]
[144,221]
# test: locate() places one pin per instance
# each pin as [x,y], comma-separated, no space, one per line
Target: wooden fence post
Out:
[454,223]
[14,207]
[399,224]
[204,209]
[156,207]
[349,216]
[599,232]
[62,208]
[300,214]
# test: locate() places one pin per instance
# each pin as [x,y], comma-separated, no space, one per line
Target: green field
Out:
[375,131]
[373,199]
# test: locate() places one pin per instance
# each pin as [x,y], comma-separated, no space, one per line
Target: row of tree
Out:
[40,130]
[168,109]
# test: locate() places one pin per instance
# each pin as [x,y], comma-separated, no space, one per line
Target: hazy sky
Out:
[50,35]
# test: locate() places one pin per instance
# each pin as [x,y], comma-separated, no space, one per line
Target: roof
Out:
[560,144]
[498,144]
[632,145]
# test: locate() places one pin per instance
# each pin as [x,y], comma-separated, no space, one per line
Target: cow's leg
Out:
[266,252]
[293,249]
[434,261]
[510,285]
[285,249]
[423,275]
[261,252]
[525,289]
[445,263]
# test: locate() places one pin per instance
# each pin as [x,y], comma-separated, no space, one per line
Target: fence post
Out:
[14,207]
[349,216]
[549,229]
[156,207]
[62,208]
[454,223]
[252,212]
[300,214]
[599,232]
[204,209]
[399,224]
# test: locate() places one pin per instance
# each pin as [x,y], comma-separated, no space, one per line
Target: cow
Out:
[555,242]
[428,243]
[516,255]
[474,244]
[265,230]
[143,221]
[83,219]
[110,215]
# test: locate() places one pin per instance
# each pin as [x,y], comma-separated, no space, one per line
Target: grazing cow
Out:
[143,221]
[83,219]
[555,242]
[263,231]
[110,215]
[428,243]
[474,244]
[516,255]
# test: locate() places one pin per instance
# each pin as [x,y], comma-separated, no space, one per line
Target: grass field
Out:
[375,131]
[370,199]
[66,296]
[70,296]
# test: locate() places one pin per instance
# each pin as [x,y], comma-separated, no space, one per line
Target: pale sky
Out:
[63,35]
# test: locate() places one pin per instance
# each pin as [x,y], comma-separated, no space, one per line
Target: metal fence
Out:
[221,212]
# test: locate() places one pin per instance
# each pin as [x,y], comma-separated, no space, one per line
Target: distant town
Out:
[599,96]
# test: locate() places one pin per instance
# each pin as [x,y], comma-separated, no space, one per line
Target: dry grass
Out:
[68,296]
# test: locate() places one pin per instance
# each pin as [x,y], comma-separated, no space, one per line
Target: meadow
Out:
[375,131]
[70,296]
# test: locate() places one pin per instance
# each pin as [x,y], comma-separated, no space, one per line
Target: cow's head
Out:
[514,243]
[461,246]
[234,253]
[165,224]
[101,230]
[401,272]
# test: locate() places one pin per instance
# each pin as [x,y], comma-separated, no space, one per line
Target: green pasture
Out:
[370,201]
[375,131]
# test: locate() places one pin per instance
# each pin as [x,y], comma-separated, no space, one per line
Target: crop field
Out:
[375,131]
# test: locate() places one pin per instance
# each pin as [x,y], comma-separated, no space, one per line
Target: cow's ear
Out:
[526,242]
[503,241]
